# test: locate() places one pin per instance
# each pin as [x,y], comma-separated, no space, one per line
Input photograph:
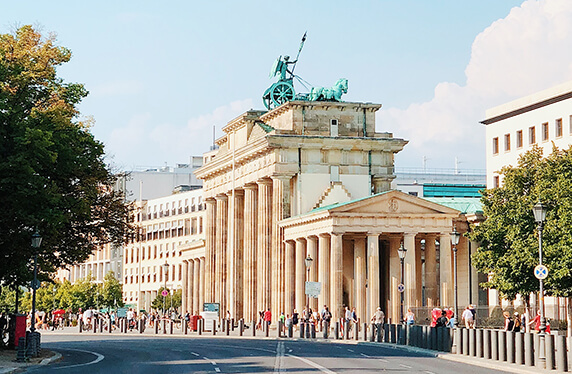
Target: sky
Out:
[162,74]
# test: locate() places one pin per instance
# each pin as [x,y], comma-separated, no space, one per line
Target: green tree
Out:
[508,236]
[112,292]
[53,177]
[171,300]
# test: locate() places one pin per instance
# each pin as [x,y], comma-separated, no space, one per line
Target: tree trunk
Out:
[527,312]
[569,316]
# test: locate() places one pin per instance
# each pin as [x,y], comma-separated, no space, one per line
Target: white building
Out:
[167,226]
[543,118]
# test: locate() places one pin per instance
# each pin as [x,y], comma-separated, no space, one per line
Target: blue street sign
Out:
[400,287]
[541,272]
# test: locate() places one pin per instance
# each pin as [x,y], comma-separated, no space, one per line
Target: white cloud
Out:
[152,143]
[527,51]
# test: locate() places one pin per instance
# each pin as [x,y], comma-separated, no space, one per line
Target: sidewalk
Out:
[8,362]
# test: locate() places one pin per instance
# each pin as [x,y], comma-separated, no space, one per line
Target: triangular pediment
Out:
[336,193]
[257,132]
[392,202]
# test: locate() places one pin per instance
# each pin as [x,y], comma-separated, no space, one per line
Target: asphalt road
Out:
[144,354]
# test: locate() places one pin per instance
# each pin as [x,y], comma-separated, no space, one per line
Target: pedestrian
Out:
[508,322]
[268,317]
[295,319]
[468,317]
[378,318]
[326,317]
[409,317]
[347,320]
[517,323]
[536,321]
[442,321]
[288,321]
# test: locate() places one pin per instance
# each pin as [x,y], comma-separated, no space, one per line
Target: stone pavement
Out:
[8,362]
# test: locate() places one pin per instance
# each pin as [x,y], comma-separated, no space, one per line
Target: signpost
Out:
[400,287]
[313,289]
[164,292]
[540,272]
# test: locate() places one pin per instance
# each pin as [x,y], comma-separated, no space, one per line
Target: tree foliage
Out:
[53,177]
[173,299]
[508,236]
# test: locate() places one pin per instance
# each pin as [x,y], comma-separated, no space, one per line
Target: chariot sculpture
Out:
[283,90]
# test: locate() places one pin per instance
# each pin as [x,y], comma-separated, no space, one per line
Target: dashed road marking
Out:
[195,354]
[383,360]
[405,366]
[429,372]
[364,355]
[217,370]
[351,350]
[313,364]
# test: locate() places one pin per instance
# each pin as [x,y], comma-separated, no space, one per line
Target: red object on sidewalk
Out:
[194,322]
[20,331]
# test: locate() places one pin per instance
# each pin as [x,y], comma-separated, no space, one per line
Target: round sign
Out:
[36,284]
[541,272]
[165,293]
[400,287]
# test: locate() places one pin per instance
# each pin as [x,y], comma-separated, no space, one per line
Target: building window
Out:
[519,139]
[507,142]
[495,181]
[558,128]
[570,124]
[532,135]
[334,127]
[545,131]
[495,146]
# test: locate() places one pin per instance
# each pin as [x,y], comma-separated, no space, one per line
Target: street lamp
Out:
[165,273]
[308,262]
[36,241]
[539,211]
[455,237]
[402,252]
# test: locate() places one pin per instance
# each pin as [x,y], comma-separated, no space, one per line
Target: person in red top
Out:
[268,317]
[536,321]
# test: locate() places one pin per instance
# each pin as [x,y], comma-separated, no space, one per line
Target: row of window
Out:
[149,253]
[519,137]
[151,278]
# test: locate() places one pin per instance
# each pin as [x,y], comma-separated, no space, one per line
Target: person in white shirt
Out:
[468,317]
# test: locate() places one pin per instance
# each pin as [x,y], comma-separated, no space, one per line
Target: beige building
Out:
[104,259]
[167,225]
[313,178]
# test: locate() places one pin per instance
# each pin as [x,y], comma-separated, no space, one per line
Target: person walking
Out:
[409,317]
[377,319]
[468,317]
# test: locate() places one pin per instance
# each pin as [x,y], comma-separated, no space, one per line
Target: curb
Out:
[18,369]
[489,364]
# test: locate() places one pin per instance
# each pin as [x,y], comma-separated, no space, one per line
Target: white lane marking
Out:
[405,366]
[279,361]
[98,358]
[313,364]
[383,360]
[429,372]
[364,355]
[351,350]
[195,354]
[209,360]
[217,370]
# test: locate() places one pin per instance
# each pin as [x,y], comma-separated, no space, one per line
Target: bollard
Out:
[302,329]
[307,330]
[226,324]
[529,349]
[80,325]
[313,331]
[502,345]
[465,342]
[386,332]
[536,341]
[472,342]
[519,348]
[101,326]
[561,354]
[214,327]
[232,324]
[141,326]
[398,334]
[425,336]
[291,331]
[440,338]
[510,347]
[171,323]
[266,328]
[380,332]
[431,341]
[185,327]
[110,327]
[392,334]
[94,325]
[201,326]
[550,359]
[365,331]
[279,329]
[240,327]
[337,330]
[156,327]
[356,333]
[487,352]
[229,326]
[253,328]
[569,345]
[346,330]
[479,343]
[495,345]
[447,339]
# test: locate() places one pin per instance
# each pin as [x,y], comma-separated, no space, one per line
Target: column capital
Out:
[210,200]
[300,239]
[264,181]
[324,235]
[282,177]
[250,186]
[373,233]
[237,191]
[221,197]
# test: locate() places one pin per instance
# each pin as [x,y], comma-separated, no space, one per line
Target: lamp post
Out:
[402,252]
[455,236]
[539,211]
[36,241]
[165,273]
[308,262]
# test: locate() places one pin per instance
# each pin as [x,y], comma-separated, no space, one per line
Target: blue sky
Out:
[160,75]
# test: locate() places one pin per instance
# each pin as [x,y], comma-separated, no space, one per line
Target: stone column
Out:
[290,274]
[300,274]
[446,270]
[235,255]
[373,280]
[280,210]
[337,276]
[210,249]
[410,272]
[196,286]
[185,288]
[381,184]
[324,270]
[360,278]
[190,285]
[221,243]
[312,251]
[395,278]
[202,286]
[264,243]
[463,270]
[431,276]
[250,260]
